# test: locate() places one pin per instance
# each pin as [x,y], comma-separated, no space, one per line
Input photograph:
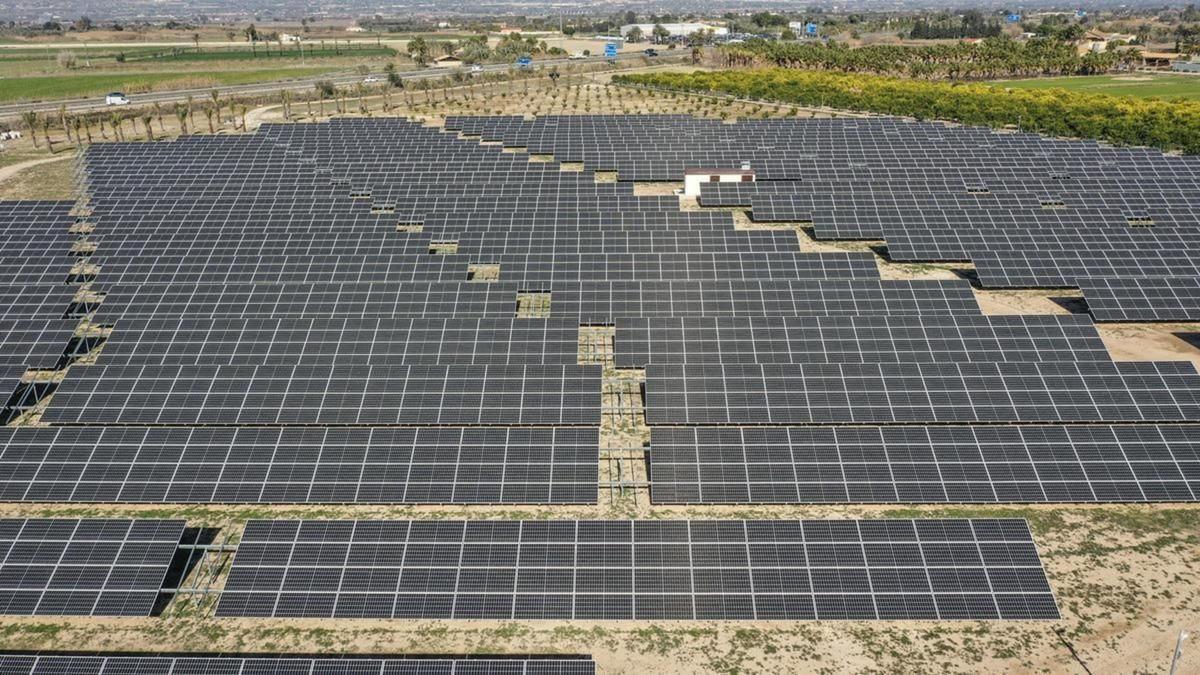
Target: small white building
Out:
[675,29]
[694,178]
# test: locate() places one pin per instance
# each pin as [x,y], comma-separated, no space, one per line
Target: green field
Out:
[73,86]
[289,52]
[1144,85]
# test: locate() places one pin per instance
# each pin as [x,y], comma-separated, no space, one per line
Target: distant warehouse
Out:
[675,29]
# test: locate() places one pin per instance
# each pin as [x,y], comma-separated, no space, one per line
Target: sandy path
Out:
[13,169]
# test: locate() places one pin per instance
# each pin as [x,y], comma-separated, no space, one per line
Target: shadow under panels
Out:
[60,663]
[656,569]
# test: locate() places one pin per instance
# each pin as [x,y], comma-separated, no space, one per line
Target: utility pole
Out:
[1183,635]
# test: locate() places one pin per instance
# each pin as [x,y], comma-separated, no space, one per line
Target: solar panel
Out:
[925,464]
[51,663]
[313,465]
[1136,298]
[55,567]
[341,341]
[785,394]
[488,395]
[857,339]
[620,570]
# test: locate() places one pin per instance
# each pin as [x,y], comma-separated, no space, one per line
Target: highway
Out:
[178,95]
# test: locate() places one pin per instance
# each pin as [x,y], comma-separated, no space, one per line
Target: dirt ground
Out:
[1126,577]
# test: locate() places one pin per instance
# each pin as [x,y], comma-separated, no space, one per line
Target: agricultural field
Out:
[74,86]
[1143,85]
[38,73]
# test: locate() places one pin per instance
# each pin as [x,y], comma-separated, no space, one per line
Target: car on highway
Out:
[651,52]
[524,62]
[577,56]
[116,98]
[371,79]
[476,68]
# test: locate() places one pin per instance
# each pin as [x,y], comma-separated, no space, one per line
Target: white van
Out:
[116,98]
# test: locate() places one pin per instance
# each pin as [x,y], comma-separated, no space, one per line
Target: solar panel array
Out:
[922,464]
[127,664]
[932,192]
[547,569]
[84,567]
[373,311]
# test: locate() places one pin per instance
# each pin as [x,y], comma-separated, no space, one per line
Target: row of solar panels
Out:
[547,465]
[547,569]
[182,340]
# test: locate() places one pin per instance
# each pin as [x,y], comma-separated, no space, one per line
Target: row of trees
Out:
[78,128]
[988,59]
[475,49]
[1127,120]
[973,24]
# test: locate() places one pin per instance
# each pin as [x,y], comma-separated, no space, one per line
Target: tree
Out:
[251,33]
[418,50]
[83,24]
[634,34]
[66,60]
[393,77]
[181,113]
[787,34]
[196,40]
[30,119]
[660,33]
[215,95]
[45,121]
[147,119]
[115,120]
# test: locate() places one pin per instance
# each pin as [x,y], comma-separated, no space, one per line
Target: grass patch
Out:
[1142,85]
[68,86]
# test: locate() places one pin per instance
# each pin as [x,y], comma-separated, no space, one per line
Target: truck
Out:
[116,98]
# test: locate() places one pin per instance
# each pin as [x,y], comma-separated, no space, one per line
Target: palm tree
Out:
[242,109]
[181,112]
[46,132]
[76,123]
[30,119]
[215,95]
[418,50]
[87,129]
[208,112]
[146,120]
[191,100]
[361,91]
[115,119]
[158,114]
